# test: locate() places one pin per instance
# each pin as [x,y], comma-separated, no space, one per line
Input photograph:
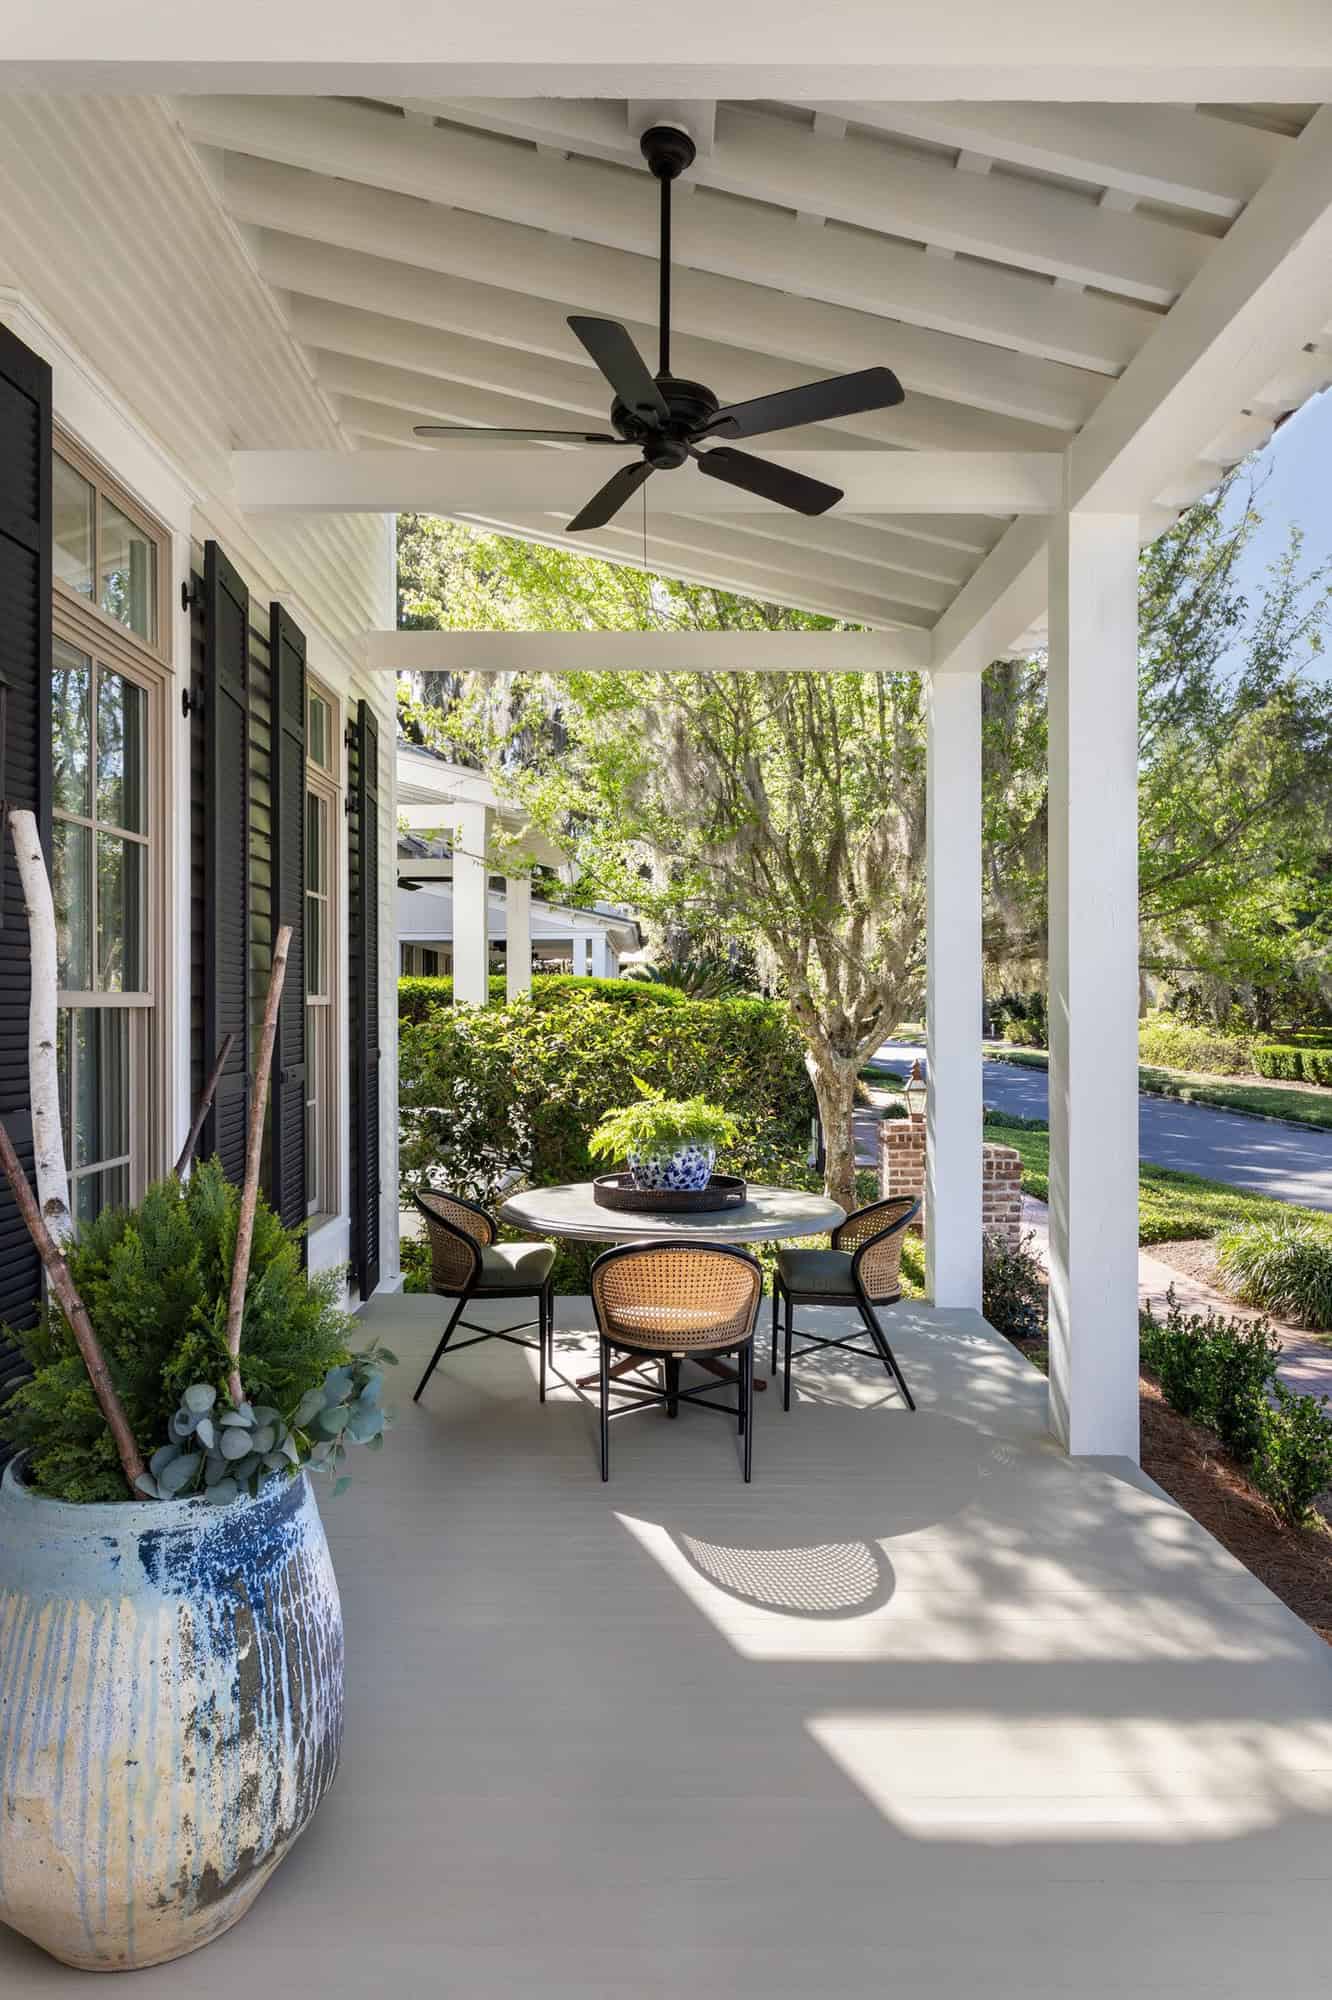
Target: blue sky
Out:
[1295,471]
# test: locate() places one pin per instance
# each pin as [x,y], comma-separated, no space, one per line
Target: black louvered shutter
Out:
[25,778]
[225,724]
[287,666]
[363,780]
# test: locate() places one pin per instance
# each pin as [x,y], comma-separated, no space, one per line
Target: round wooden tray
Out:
[618,1191]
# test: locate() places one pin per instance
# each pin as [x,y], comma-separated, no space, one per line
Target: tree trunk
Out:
[834,1079]
[48,1146]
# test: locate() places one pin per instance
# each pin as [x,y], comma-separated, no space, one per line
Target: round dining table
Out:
[767,1215]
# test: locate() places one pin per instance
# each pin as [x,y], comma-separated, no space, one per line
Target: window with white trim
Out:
[322,818]
[107,690]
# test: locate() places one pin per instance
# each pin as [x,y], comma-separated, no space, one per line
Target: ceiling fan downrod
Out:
[669,152]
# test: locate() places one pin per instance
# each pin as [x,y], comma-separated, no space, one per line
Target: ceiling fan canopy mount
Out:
[665,418]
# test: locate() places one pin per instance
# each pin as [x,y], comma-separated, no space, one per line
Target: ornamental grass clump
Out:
[1284,1267]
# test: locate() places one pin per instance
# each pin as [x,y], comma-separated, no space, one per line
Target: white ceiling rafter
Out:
[644,652]
[988,302]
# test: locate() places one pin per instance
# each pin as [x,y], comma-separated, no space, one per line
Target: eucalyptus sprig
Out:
[221,1449]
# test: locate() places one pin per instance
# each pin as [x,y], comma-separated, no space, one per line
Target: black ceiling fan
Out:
[665,419]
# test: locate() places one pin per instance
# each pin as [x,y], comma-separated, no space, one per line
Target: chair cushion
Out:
[515,1264]
[816,1271]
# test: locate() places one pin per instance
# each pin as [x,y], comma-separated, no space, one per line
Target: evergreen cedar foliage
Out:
[155,1281]
[488,1093]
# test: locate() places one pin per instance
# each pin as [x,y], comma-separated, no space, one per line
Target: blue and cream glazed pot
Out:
[686,1166]
[170,1713]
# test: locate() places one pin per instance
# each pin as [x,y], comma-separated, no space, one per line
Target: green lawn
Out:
[1172,1207]
[1260,1099]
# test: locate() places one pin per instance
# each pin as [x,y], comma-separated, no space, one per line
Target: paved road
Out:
[1287,1161]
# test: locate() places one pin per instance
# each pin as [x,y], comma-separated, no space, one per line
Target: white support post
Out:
[1093,874]
[471,916]
[953,958]
[580,954]
[597,946]
[517,936]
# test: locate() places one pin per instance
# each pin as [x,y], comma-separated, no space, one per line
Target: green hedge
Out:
[488,1094]
[1290,1062]
[1173,1045]
[417,996]
[1222,1373]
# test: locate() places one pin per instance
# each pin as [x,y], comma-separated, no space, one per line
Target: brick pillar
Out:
[1001,1194]
[902,1162]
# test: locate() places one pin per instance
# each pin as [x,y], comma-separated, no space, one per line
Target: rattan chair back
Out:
[458,1230]
[878,1233]
[676,1298]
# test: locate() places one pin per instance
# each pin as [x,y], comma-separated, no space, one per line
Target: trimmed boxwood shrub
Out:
[1222,1373]
[494,1096]
[1283,1267]
[1288,1062]
[417,996]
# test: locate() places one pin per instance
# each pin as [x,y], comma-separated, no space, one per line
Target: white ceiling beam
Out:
[1159,153]
[577,392]
[738,239]
[1006,595]
[1264,290]
[645,652]
[484,479]
[858,180]
[527,274]
[1188,52]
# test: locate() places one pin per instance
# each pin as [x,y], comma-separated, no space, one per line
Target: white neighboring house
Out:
[453,817]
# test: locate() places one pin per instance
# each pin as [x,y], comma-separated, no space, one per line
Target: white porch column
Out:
[953,947]
[517,935]
[598,946]
[580,953]
[471,941]
[1093,869]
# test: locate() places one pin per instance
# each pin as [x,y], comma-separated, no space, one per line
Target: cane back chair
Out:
[862,1269]
[467,1263]
[671,1301]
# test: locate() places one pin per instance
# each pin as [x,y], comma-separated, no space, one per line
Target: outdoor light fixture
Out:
[916,1092]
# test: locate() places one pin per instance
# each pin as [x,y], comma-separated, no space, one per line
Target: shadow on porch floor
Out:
[927,1708]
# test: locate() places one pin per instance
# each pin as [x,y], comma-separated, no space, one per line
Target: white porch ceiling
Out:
[1019,265]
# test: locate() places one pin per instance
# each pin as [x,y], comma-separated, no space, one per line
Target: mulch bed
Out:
[1191,1465]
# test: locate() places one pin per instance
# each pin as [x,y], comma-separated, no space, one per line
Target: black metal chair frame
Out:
[544,1294]
[638,1394]
[864,1305]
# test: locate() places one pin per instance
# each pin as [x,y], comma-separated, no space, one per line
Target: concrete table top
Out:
[770,1213]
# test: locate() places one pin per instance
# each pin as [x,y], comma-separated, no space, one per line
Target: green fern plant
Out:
[657,1124]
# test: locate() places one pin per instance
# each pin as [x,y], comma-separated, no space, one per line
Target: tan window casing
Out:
[83,625]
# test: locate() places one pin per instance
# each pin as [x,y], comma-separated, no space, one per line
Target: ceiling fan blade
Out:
[606,504]
[622,365]
[485,431]
[815,403]
[777,483]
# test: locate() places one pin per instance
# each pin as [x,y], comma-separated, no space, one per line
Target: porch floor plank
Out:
[928,1708]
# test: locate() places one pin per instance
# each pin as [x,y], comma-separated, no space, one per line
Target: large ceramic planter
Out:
[170,1713]
[686,1166]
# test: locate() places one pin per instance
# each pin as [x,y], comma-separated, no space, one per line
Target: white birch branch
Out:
[48,1143]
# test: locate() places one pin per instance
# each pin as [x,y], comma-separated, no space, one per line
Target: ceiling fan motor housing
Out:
[692,406]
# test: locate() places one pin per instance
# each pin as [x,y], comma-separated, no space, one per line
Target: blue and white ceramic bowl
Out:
[685,1167]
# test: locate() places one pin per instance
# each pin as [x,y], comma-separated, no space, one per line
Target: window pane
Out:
[94,1192]
[122,726]
[93,1054]
[71,683]
[314,841]
[314,1070]
[314,945]
[72,531]
[122,964]
[128,579]
[72,893]
[318,747]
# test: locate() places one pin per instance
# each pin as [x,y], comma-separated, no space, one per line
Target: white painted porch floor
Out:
[926,1709]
